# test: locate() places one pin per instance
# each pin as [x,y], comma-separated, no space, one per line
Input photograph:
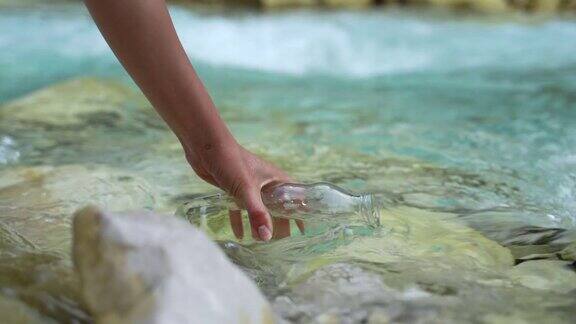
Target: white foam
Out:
[369,44]
[294,44]
[300,43]
[8,151]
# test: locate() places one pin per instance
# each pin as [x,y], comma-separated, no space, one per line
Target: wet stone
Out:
[347,293]
[71,103]
[37,202]
[16,311]
[569,253]
[557,276]
[145,268]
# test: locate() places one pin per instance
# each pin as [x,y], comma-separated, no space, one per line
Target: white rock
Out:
[145,268]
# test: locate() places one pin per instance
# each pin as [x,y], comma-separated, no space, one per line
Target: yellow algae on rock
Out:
[351,4]
[74,185]
[553,275]
[569,253]
[347,3]
[39,200]
[16,311]
[274,4]
[70,103]
[489,6]
[409,233]
[546,6]
[419,244]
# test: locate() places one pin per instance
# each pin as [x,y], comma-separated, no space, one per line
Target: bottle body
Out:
[317,203]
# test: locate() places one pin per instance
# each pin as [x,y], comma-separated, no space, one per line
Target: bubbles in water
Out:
[8,150]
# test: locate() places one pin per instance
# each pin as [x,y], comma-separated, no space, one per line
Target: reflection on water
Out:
[465,125]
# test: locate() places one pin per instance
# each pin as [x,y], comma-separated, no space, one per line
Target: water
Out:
[464,122]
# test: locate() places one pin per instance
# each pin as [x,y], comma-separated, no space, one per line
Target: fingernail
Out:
[264,233]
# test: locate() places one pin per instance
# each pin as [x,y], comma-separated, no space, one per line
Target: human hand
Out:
[148,47]
[243,175]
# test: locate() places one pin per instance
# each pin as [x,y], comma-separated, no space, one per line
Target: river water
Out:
[465,123]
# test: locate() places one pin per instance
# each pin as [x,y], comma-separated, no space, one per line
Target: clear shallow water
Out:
[465,123]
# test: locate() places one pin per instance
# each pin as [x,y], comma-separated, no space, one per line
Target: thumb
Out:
[260,220]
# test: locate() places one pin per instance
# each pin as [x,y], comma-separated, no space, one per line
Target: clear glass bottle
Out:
[320,202]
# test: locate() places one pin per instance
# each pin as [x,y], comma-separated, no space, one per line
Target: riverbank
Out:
[482,6]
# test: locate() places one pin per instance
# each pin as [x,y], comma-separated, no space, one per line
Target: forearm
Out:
[141,34]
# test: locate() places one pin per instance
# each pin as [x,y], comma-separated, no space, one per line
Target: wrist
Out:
[198,125]
[207,146]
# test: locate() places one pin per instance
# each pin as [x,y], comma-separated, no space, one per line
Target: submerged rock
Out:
[144,268]
[418,243]
[569,253]
[557,276]
[419,267]
[39,200]
[346,293]
[16,311]
[360,293]
[70,103]
[67,186]
[11,241]
[431,238]
[36,286]
[44,282]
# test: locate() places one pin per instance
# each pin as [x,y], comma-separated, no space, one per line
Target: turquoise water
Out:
[466,115]
[486,95]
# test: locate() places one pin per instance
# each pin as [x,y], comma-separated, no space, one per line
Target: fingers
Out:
[260,221]
[300,225]
[262,226]
[235,216]
[281,228]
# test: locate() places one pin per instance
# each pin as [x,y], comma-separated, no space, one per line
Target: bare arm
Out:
[142,35]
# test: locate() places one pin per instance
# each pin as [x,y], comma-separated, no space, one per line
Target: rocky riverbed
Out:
[420,266]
